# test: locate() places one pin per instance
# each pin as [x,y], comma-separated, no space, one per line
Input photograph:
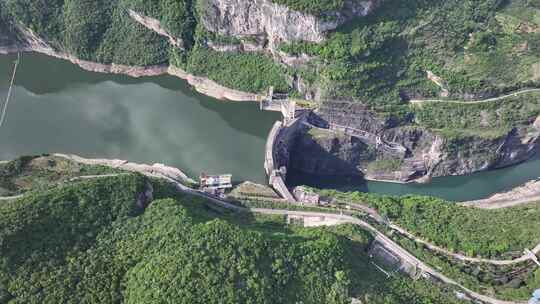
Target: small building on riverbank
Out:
[215,184]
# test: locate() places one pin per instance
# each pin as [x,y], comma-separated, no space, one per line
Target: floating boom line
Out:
[6,103]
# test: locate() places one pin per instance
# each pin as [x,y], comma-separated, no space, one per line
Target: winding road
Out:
[165,173]
[420,101]
[7,198]
[379,237]
[377,217]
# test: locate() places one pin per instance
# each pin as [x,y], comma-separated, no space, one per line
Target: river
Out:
[57,107]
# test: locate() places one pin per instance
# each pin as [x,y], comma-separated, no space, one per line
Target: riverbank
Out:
[373,188]
[203,85]
[155,170]
[141,188]
[330,216]
[527,193]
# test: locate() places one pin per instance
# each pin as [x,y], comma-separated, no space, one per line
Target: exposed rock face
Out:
[326,152]
[323,152]
[292,60]
[155,170]
[145,198]
[537,123]
[275,23]
[155,25]
[29,42]
[243,46]
[526,194]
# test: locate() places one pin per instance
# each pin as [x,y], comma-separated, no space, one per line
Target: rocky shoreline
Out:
[425,154]
[202,85]
[527,193]
[155,170]
[342,138]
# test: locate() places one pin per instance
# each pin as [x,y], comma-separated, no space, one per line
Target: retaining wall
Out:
[278,144]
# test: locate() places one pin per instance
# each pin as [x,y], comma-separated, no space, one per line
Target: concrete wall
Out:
[269,148]
[278,145]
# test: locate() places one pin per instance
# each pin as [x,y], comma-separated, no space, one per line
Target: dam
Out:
[162,120]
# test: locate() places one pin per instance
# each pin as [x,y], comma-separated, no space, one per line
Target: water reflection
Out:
[57,107]
[145,120]
[455,188]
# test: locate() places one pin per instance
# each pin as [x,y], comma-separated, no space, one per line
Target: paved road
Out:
[376,216]
[525,257]
[85,177]
[420,101]
[380,237]
[7,198]
[386,242]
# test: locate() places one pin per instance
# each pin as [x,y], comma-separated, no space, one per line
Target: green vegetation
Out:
[176,16]
[471,231]
[41,172]
[99,31]
[123,40]
[103,31]
[322,134]
[490,119]
[98,242]
[514,282]
[478,48]
[247,72]
[385,56]
[385,165]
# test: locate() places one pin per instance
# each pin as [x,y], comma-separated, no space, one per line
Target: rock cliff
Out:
[272,23]
[23,39]
[323,151]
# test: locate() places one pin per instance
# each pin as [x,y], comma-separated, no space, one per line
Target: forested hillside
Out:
[377,59]
[471,49]
[473,231]
[97,241]
[500,234]
[103,31]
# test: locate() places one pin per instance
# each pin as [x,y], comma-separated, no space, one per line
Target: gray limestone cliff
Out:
[271,23]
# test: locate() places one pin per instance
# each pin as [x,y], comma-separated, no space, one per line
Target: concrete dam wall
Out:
[277,157]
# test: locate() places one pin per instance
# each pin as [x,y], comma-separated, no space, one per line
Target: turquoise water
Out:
[455,188]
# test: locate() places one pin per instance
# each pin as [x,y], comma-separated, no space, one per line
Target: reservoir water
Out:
[58,107]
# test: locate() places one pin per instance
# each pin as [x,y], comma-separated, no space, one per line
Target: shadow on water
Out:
[344,183]
[454,188]
[161,119]
[236,113]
